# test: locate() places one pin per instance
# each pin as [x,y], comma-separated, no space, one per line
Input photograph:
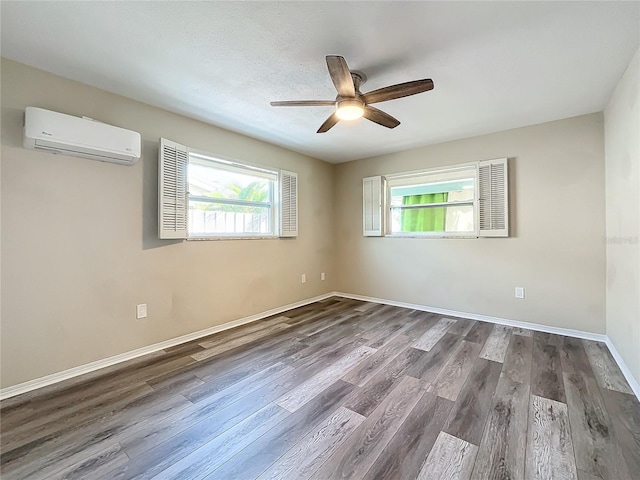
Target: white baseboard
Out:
[484,318]
[25,387]
[633,383]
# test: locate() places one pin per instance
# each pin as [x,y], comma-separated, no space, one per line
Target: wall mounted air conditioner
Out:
[79,137]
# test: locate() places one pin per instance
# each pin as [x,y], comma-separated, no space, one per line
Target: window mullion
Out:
[226,201]
[439,204]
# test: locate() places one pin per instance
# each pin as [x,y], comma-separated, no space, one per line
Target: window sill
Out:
[261,237]
[467,236]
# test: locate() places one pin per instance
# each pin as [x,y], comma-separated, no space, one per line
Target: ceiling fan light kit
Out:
[351,104]
[349,109]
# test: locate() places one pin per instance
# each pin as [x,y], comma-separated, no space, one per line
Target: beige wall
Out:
[622,161]
[556,249]
[80,248]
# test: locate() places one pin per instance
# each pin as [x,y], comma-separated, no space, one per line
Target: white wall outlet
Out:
[141,310]
[304,278]
[519,292]
[323,276]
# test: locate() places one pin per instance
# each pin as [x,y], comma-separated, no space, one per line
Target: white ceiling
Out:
[496,65]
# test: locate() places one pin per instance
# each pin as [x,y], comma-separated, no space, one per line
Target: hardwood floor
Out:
[338,389]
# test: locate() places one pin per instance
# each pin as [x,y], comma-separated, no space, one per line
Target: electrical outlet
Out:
[141,310]
[323,276]
[304,278]
[519,292]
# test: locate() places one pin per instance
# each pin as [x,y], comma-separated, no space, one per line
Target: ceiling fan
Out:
[350,103]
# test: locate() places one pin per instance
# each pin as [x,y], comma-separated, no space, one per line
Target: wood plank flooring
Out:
[338,389]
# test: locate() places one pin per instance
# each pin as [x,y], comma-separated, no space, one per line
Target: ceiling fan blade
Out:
[305,103]
[341,76]
[398,91]
[328,123]
[379,117]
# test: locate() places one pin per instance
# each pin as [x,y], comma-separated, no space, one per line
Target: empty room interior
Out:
[320,240]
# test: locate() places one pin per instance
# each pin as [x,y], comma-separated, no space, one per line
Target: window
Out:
[458,201]
[438,202]
[228,199]
[202,197]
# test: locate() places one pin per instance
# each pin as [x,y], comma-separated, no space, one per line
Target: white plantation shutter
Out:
[493,205]
[372,206]
[288,204]
[172,185]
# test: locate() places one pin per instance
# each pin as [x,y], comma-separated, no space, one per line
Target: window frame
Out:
[173,195]
[239,166]
[472,167]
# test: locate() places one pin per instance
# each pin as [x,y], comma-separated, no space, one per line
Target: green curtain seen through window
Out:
[424,219]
